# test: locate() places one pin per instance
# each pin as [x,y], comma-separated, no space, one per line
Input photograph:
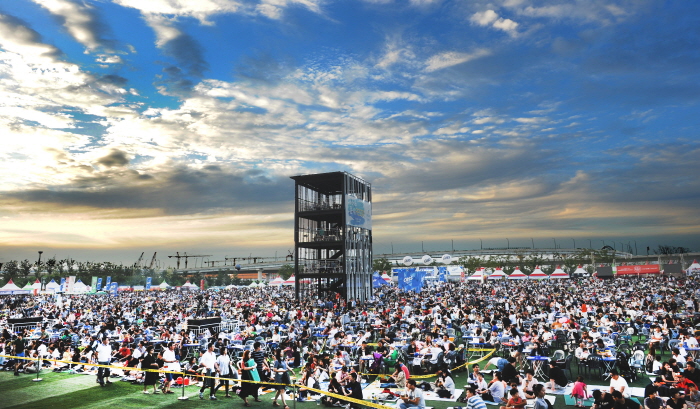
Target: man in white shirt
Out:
[414,397]
[104,355]
[618,383]
[170,364]
[208,363]
[225,373]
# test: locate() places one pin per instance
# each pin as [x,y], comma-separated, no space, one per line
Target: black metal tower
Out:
[332,236]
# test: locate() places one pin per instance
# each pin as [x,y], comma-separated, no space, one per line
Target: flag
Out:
[98,286]
[109,280]
[113,288]
[148,283]
[442,271]
[63,284]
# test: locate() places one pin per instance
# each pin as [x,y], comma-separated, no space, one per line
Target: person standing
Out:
[104,356]
[281,371]
[18,347]
[225,372]
[249,375]
[171,365]
[209,367]
[149,364]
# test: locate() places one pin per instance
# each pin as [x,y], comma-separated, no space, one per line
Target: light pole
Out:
[635,247]
[574,242]
[533,242]
[590,244]
[555,242]
[508,243]
[482,244]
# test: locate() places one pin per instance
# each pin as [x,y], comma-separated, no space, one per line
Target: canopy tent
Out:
[694,268]
[517,275]
[277,281]
[498,274]
[378,281]
[11,288]
[36,285]
[189,286]
[253,285]
[386,277]
[478,274]
[80,287]
[164,286]
[53,286]
[559,274]
[290,281]
[538,274]
[580,272]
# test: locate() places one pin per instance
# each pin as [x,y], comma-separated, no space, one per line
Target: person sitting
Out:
[528,383]
[622,402]
[515,401]
[676,401]
[557,377]
[509,372]
[496,391]
[653,401]
[444,384]
[618,383]
[414,397]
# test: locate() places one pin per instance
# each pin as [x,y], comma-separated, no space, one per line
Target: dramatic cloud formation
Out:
[135,125]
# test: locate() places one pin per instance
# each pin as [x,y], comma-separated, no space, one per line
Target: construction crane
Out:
[246,258]
[153,260]
[185,256]
[213,262]
[137,264]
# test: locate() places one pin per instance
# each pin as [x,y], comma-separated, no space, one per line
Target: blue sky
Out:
[164,125]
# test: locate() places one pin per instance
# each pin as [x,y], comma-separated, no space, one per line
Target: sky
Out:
[174,125]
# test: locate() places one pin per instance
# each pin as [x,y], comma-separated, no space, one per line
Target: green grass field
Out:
[63,390]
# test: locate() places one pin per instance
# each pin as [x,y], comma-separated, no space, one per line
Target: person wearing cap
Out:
[652,400]
[618,383]
[622,402]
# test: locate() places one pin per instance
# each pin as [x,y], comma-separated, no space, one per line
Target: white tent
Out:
[164,286]
[36,285]
[478,274]
[290,281]
[53,286]
[277,281]
[517,275]
[80,287]
[498,274]
[11,288]
[189,286]
[253,285]
[386,277]
[580,272]
[694,268]
[559,273]
[538,274]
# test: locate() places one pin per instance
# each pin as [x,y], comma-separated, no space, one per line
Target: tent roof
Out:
[517,275]
[538,274]
[10,286]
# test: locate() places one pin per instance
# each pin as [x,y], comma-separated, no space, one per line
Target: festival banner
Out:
[93,285]
[98,286]
[63,285]
[201,284]
[148,283]
[358,212]
[69,284]
[638,270]
[411,279]
[109,280]
[113,287]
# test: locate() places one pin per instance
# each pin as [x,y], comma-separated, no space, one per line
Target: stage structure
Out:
[332,236]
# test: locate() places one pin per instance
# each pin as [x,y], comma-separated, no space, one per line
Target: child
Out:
[579,391]
[515,401]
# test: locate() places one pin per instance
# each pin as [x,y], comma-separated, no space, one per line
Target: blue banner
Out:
[63,285]
[148,283]
[442,272]
[411,279]
[98,286]
[113,288]
[109,280]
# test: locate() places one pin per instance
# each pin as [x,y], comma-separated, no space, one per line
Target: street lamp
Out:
[635,247]
[555,242]
[482,244]
[508,242]
[533,242]
[590,244]
[574,242]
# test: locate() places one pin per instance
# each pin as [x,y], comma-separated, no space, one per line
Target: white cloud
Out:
[77,18]
[491,18]
[450,58]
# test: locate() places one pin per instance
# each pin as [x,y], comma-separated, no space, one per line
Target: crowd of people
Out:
[268,334]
